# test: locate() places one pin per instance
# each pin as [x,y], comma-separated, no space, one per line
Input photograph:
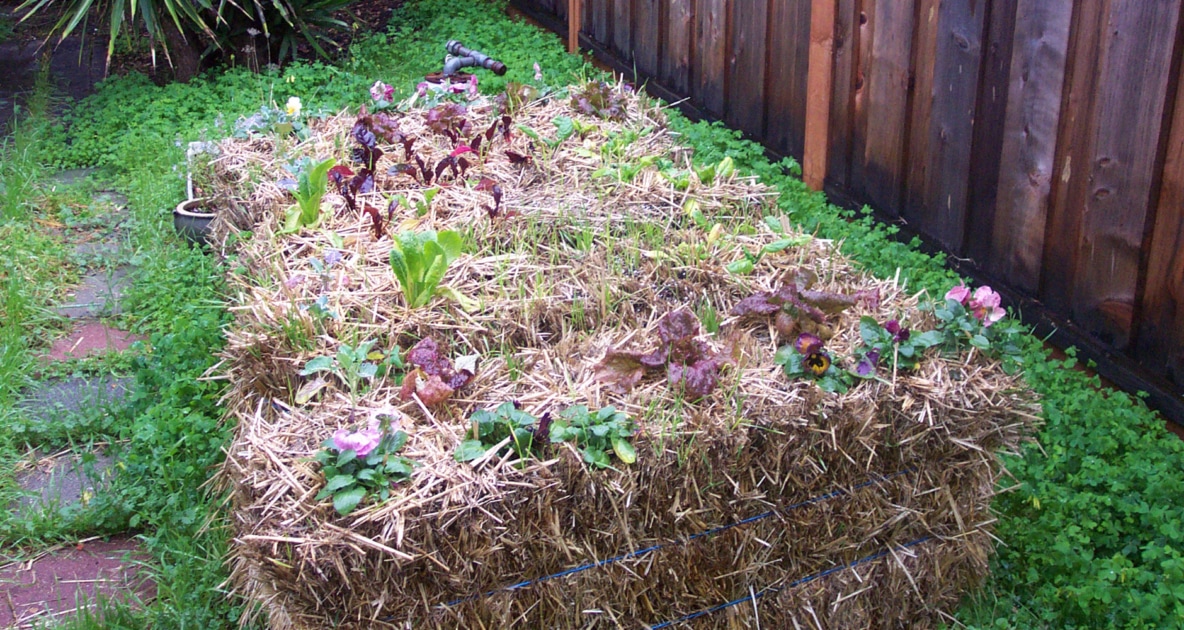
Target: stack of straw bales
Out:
[868,509]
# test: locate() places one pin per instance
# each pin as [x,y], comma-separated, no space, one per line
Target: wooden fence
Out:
[1040,140]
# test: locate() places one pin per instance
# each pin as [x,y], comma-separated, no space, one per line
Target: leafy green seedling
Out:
[351,365]
[596,434]
[491,428]
[747,264]
[419,261]
[312,180]
[421,208]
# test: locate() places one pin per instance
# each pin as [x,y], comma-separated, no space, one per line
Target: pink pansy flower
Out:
[959,294]
[362,441]
[538,72]
[472,89]
[985,306]
[381,91]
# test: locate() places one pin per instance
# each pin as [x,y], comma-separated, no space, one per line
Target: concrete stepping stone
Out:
[53,584]
[76,395]
[63,480]
[91,338]
[71,176]
[99,295]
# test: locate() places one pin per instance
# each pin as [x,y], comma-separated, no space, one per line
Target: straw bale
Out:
[591,263]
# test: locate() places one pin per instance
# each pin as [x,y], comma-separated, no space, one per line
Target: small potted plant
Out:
[193,218]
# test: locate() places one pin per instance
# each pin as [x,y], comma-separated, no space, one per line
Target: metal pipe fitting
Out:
[464,57]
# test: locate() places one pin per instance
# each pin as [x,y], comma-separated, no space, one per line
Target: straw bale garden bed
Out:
[593,386]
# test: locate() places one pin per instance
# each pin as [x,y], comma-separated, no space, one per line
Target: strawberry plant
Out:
[505,428]
[596,434]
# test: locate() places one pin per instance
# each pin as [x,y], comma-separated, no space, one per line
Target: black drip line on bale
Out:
[797,582]
[716,530]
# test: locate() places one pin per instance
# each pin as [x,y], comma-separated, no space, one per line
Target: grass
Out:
[1092,531]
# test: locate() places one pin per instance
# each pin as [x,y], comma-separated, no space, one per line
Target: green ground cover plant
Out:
[1091,525]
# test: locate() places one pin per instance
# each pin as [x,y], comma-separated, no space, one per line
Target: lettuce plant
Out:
[312,180]
[420,259]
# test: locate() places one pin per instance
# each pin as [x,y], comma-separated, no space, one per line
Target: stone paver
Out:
[75,395]
[72,176]
[63,481]
[91,338]
[55,583]
[99,295]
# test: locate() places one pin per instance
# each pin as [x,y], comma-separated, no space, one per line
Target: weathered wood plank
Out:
[602,16]
[647,20]
[788,66]
[859,99]
[1074,146]
[709,66]
[574,17]
[1029,142]
[819,92]
[623,30]
[989,119]
[679,40]
[746,66]
[924,62]
[887,104]
[957,65]
[1161,331]
[840,132]
[1138,46]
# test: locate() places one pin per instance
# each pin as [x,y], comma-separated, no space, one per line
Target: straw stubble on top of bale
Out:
[894,477]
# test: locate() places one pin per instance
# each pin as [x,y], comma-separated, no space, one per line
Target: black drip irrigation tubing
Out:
[795,583]
[641,552]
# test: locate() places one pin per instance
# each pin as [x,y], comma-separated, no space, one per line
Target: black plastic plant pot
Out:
[192,222]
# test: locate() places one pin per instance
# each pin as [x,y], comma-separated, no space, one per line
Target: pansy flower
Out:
[959,294]
[898,332]
[294,106]
[361,442]
[814,358]
[984,305]
[867,365]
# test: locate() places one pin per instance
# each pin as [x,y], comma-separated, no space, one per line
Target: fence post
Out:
[819,81]
[573,26]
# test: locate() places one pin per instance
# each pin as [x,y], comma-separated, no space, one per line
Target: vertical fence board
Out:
[623,30]
[924,63]
[602,15]
[1161,330]
[1139,42]
[1029,142]
[840,131]
[711,23]
[646,42]
[957,65]
[789,58]
[887,96]
[746,66]
[1074,144]
[676,59]
[989,117]
[859,97]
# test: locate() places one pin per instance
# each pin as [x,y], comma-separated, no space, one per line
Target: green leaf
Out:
[397,443]
[346,457]
[318,364]
[741,267]
[367,370]
[398,259]
[345,502]
[469,450]
[339,482]
[624,450]
[452,244]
